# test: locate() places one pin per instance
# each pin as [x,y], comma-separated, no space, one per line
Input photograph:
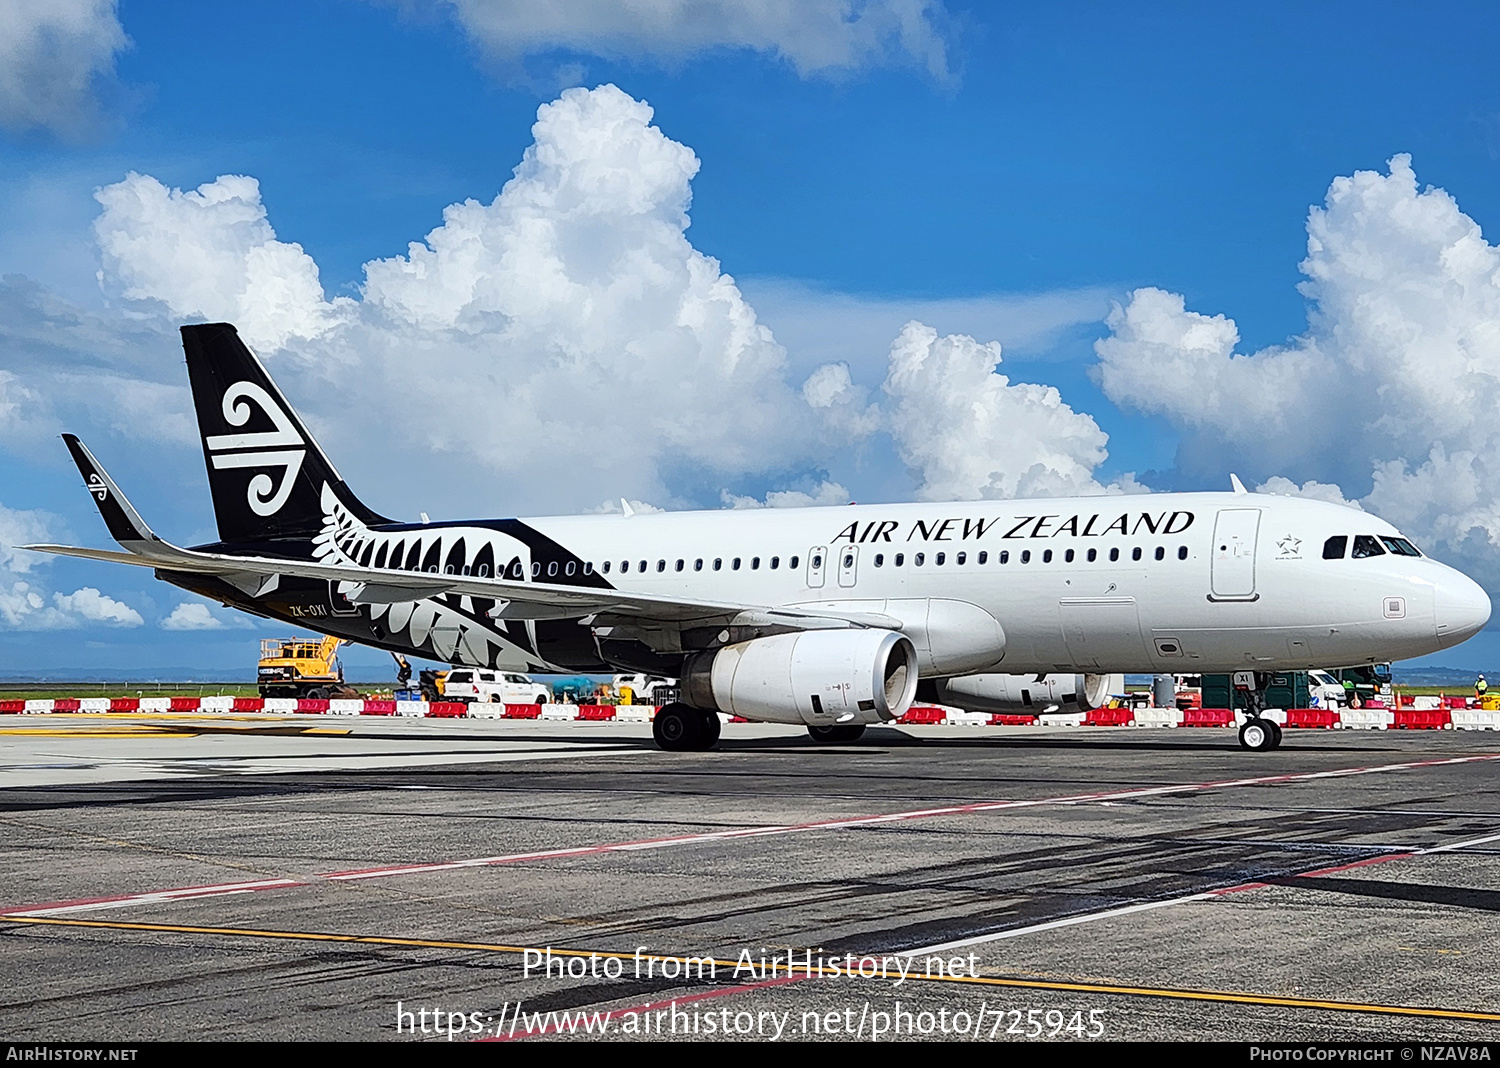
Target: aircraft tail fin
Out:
[266,472]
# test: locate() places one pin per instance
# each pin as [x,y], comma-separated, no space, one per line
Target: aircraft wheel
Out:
[835,734]
[677,727]
[710,735]
[1258,735]
[1275,733]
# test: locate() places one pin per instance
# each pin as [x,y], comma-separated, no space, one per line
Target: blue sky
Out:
[1007,175]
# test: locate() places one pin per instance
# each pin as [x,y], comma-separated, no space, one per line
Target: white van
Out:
[503,687]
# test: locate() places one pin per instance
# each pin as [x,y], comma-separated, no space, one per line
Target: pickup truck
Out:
[507,687]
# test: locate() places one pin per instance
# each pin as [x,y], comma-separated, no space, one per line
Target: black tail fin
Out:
[266,472]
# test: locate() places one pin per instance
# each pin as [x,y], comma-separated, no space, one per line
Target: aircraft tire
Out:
[1258,735]
[1275,733]
[709,737]
[837,734]
[677,728]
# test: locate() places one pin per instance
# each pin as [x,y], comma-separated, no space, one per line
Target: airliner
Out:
[828,618]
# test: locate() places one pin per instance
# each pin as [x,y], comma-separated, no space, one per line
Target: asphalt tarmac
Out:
[262,877]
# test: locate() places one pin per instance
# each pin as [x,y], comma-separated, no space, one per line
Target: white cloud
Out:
[211,253]
[192,616]
[1394,386]
[23,527]
[973,435]
[89,605]
[825,493]
[53,56]
[826,37]
[1317,491]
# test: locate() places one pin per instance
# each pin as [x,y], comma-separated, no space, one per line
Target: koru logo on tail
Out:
[98,488]
[282,447]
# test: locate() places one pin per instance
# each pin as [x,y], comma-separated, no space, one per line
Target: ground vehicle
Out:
[508,687]
[821,617]
[301,667]
[1325,691]
[641,689]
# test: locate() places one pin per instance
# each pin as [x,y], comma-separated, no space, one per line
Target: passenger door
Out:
[1233,568]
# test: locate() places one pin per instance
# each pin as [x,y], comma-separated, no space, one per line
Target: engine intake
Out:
[817,677]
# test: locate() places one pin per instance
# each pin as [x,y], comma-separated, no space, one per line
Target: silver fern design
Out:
[456,629]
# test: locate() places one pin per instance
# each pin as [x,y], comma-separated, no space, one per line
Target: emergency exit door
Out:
[1235,533]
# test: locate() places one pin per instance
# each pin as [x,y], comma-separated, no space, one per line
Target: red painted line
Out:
[181,893]
[651,1006]
[359,874]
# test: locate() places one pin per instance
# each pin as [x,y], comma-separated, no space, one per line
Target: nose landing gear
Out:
[1260,735]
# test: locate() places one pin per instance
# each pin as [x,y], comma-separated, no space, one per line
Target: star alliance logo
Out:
[1290,548]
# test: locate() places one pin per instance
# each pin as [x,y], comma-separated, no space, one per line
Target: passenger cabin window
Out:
[1068,557]
[1114,554]
[1333,548]
[1046,556]
[775,562]
[1005,556]
[642,567]
[1025,556]
[792,563]
[698,565]
[1093,555]
[734,565]
[718,563]
[1182,552]
[900,559]
[1135,554]
[918,559]
[939,558]
[1161,554]
[1365,545]
[755,563]
[880,559]
[679,566]
[983,558]
[661,565]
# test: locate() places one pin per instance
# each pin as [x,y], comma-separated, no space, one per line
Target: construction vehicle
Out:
[302,667]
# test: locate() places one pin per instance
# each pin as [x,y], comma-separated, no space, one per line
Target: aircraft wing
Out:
[523,600]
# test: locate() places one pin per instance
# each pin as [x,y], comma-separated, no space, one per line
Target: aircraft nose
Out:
[1462,608]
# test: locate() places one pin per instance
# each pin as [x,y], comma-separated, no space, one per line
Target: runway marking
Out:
[743,833]
[1182,994]
[1206,895]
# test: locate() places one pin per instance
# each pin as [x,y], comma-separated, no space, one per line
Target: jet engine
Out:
[1025,693]
[817,677]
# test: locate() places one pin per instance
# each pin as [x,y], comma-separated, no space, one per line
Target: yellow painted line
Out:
[1225,996]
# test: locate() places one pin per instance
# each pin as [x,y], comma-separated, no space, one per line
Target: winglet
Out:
[1236,484]
[125,524]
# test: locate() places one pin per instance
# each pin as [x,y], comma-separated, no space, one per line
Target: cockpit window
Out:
[1333,548]
[1365,545]
[1400,546]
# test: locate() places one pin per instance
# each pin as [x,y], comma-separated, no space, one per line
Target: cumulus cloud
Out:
[1391,391]
[1311,489]
[825,493]
[211,253]
[53,56]
[195,615]
[971,434]
[827,37]
[25,603]
[89,605]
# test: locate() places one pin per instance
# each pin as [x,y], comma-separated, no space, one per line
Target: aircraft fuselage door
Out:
[817,565]
[848,565]
[1235,531]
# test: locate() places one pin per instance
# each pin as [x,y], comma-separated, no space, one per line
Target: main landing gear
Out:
[837,734]
[680,728]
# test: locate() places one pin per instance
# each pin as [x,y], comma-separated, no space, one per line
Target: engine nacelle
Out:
[818,677]
[1023,693]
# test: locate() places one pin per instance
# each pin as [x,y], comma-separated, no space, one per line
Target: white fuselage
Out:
[1151,583]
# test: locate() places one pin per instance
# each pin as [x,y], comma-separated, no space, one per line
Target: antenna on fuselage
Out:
[1236,485]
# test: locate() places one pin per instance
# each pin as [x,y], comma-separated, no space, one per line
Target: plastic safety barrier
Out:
[596,712]
[67,704]
[1362,719]
[1011,719]
[1455,702]
[313,705]
[1475,719]
[249,704]
[1108,717]
[12,706]
[486,710]
[959,718]
[378,708]
[183,704]
[41,705]
[447,709]
[1062,719]
[94,704]
[557,710]
[1207,717]
[634,713]
[1312,717]
[346,706]
[156,704]
[523,711]
[124,704]
[1159,717]
[411,708]
[1423,701]
[923,715]
[282,706]
[1423,719]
